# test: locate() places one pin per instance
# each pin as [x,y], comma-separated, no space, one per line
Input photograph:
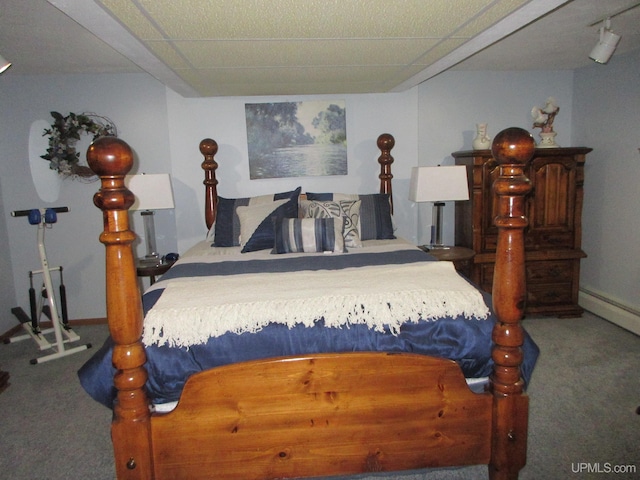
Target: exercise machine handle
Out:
[25,213]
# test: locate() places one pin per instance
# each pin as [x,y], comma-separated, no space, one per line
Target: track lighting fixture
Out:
[606,45]
[4,64]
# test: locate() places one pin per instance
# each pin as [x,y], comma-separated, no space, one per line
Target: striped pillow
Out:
[309,235]
[375,213]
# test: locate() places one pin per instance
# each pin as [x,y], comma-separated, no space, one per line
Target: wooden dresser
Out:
[553,237]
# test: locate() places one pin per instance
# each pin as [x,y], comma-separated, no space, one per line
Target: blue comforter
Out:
[465,340]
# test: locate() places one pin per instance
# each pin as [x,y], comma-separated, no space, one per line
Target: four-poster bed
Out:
[317,414]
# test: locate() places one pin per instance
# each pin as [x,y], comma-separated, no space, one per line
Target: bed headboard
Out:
[209,148]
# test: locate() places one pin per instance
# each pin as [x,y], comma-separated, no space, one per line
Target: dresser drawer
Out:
[558,271]
[537,240]
[549,295]
[544,272]
[533,241]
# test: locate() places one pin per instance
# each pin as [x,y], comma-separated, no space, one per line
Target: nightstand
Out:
[152,271]
[461,257]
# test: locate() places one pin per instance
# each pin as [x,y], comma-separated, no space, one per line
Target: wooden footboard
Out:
[323,414]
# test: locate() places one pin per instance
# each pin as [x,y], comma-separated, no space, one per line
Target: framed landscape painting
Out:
[296,139]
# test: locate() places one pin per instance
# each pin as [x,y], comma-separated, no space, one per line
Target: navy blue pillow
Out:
[227,227]
[375,213]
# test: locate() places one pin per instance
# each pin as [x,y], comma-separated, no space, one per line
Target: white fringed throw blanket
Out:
[190,311]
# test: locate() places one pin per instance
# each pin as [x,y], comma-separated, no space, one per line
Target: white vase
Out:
[548,140]
[482,140]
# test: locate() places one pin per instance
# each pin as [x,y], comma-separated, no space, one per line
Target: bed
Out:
[302,392]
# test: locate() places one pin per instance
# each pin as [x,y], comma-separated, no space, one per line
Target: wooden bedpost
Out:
[111,158]
[512,148]
[385,143]
[208,148]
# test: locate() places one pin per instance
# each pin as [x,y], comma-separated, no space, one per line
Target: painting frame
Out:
[296,139]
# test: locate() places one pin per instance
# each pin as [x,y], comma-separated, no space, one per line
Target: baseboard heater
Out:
[611,310]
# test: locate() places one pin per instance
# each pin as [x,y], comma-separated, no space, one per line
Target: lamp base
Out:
[428,248]
[150,261]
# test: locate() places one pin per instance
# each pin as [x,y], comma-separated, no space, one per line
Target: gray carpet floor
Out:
[583,423]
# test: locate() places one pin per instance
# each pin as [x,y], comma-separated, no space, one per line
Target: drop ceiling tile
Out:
[491,16]
[309,19]
[208,85]
[279,46]
[216,54]
[440,50]
[166,52]
[400,75]
[132,18]
[284,88]
[297,74]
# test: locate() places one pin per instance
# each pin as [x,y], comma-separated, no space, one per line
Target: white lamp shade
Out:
[152,191]
[438,184]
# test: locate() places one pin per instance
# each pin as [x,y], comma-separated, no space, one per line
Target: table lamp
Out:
[438,185]
[152,192]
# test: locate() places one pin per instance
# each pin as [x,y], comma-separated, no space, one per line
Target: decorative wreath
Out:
[63,136]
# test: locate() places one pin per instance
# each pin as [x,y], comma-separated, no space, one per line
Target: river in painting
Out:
[300,161]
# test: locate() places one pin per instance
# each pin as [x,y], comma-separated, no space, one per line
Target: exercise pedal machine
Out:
[47,304]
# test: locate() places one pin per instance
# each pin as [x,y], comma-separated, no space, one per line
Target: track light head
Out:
[4,64]
[606,45]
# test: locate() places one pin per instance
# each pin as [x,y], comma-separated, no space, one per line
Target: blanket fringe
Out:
[192,326]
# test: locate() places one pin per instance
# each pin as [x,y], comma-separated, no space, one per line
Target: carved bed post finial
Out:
[208,148]
[111,158]
[385,143]
[512,148]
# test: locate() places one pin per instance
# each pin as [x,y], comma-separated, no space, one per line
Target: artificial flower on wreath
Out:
[64,134]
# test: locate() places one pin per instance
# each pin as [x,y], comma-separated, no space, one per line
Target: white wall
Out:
[452,103]
[223,119]
[136,103]
[607,118]
[7,289]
